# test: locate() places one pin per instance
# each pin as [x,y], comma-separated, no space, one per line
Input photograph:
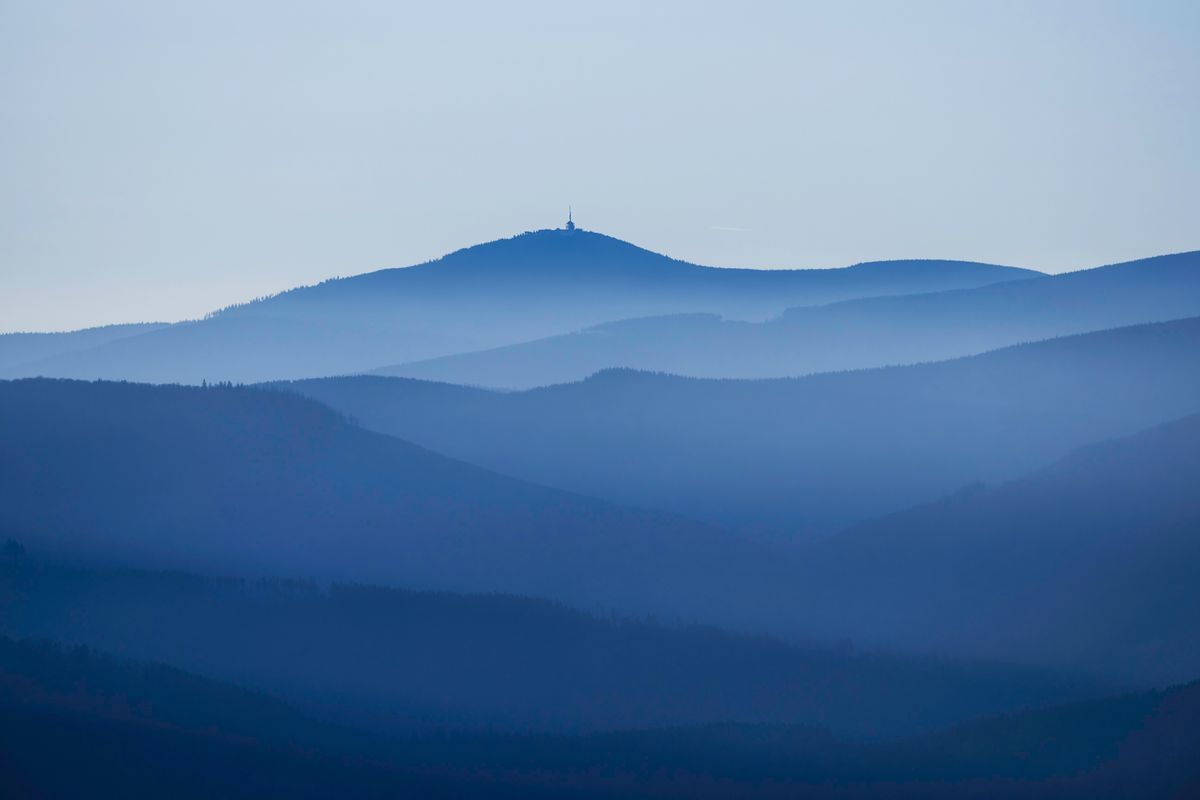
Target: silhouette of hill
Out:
[404,662]
[1137,745]
[533,285]
[251,481]
[1088,564]
[19,349]
[77,723]
[788,458]
[855,334]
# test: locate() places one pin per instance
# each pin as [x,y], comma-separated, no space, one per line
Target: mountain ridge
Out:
[20,347]
[1086,560]
[511,290]
[462,260]
[798,456]
[251,481]
[847,334]
[62,735]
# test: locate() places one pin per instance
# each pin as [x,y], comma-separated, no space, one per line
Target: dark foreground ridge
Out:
[77,723]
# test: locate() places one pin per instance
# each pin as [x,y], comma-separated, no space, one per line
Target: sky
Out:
[159,160]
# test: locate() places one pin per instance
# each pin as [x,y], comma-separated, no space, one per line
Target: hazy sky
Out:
[161,159]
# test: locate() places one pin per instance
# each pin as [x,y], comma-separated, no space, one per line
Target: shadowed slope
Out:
[1088,563]
[81,724]
[249,480]
[75,723]
[404,661]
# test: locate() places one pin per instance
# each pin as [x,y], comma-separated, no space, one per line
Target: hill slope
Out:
[850,335]
[75,723]
[788,457]
[79,724]
[247,480]
[19,349]
[533,285]
[404,662]
[1089,563]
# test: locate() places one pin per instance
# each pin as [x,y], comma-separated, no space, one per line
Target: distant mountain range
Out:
[853,334]
[789,458]
[530,286]
[20,349]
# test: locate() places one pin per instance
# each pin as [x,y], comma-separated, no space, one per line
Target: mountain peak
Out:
[548,252]
[537,284]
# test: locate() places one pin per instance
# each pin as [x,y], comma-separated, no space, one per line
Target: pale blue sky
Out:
[163,159]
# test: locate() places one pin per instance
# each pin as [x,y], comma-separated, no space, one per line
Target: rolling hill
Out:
[1089,564]
[405,662]
[251,481]
[76,723]
[854,334]
[533,285]
[19,349]
[789,458]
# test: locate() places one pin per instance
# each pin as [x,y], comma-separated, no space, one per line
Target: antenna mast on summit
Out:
[570,220]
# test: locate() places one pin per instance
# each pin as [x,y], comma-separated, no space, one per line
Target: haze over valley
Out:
[713,402]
